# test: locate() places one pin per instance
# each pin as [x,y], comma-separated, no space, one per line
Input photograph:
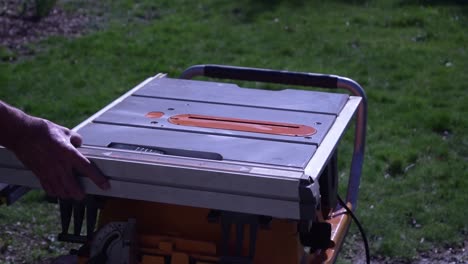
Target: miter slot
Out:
[210,92]
[211,132]
[274,152]
[227,120]
[167,151]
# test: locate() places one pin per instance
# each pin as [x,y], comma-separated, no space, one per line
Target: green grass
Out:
[410,56]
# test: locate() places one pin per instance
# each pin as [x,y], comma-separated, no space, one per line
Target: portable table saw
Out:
[208,172]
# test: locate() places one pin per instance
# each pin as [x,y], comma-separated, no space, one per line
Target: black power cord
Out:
[363,234]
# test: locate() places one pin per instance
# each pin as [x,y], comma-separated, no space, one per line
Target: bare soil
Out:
[19,27]
[353,252]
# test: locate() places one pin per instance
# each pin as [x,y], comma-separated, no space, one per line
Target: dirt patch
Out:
[445,255]
[436,256]
[22,243]
[19,27]
[353,252]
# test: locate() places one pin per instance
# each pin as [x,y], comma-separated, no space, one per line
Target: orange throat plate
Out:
[245,125]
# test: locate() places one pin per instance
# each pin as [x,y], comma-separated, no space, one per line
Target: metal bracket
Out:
[77,209]
[317,237]
[240,220]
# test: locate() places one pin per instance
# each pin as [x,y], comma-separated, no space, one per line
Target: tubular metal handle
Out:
[261,75]
[302,79]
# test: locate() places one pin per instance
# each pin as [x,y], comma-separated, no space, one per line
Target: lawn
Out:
[410,56]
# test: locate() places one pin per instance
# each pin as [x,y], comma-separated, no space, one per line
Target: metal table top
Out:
[147,157]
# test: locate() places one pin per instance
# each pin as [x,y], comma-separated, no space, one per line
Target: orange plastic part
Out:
[179,231]
[154,114]
[148,259]
[245,125]
[340,222]
[184,233]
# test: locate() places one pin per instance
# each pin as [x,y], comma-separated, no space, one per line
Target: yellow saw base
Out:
[183,233]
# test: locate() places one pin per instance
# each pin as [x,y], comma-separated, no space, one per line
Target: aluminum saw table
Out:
[216,145]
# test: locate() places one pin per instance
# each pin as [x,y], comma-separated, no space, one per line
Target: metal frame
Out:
[282,206]
[304,79]
[285,201]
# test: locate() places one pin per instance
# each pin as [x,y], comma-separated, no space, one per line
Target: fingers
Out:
[70,184]
[85,167]
[52,156]
[46,181]
[47,187]
[75,139]
[60,181]
[50,181]
[58,188]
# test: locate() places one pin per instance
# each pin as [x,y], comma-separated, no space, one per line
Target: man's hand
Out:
[49,151]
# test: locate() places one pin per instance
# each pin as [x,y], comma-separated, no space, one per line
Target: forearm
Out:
[14,125]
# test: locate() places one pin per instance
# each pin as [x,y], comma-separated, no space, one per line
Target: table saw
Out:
[209,172]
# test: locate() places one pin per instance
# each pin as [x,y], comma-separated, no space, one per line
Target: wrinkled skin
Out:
[49,150]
